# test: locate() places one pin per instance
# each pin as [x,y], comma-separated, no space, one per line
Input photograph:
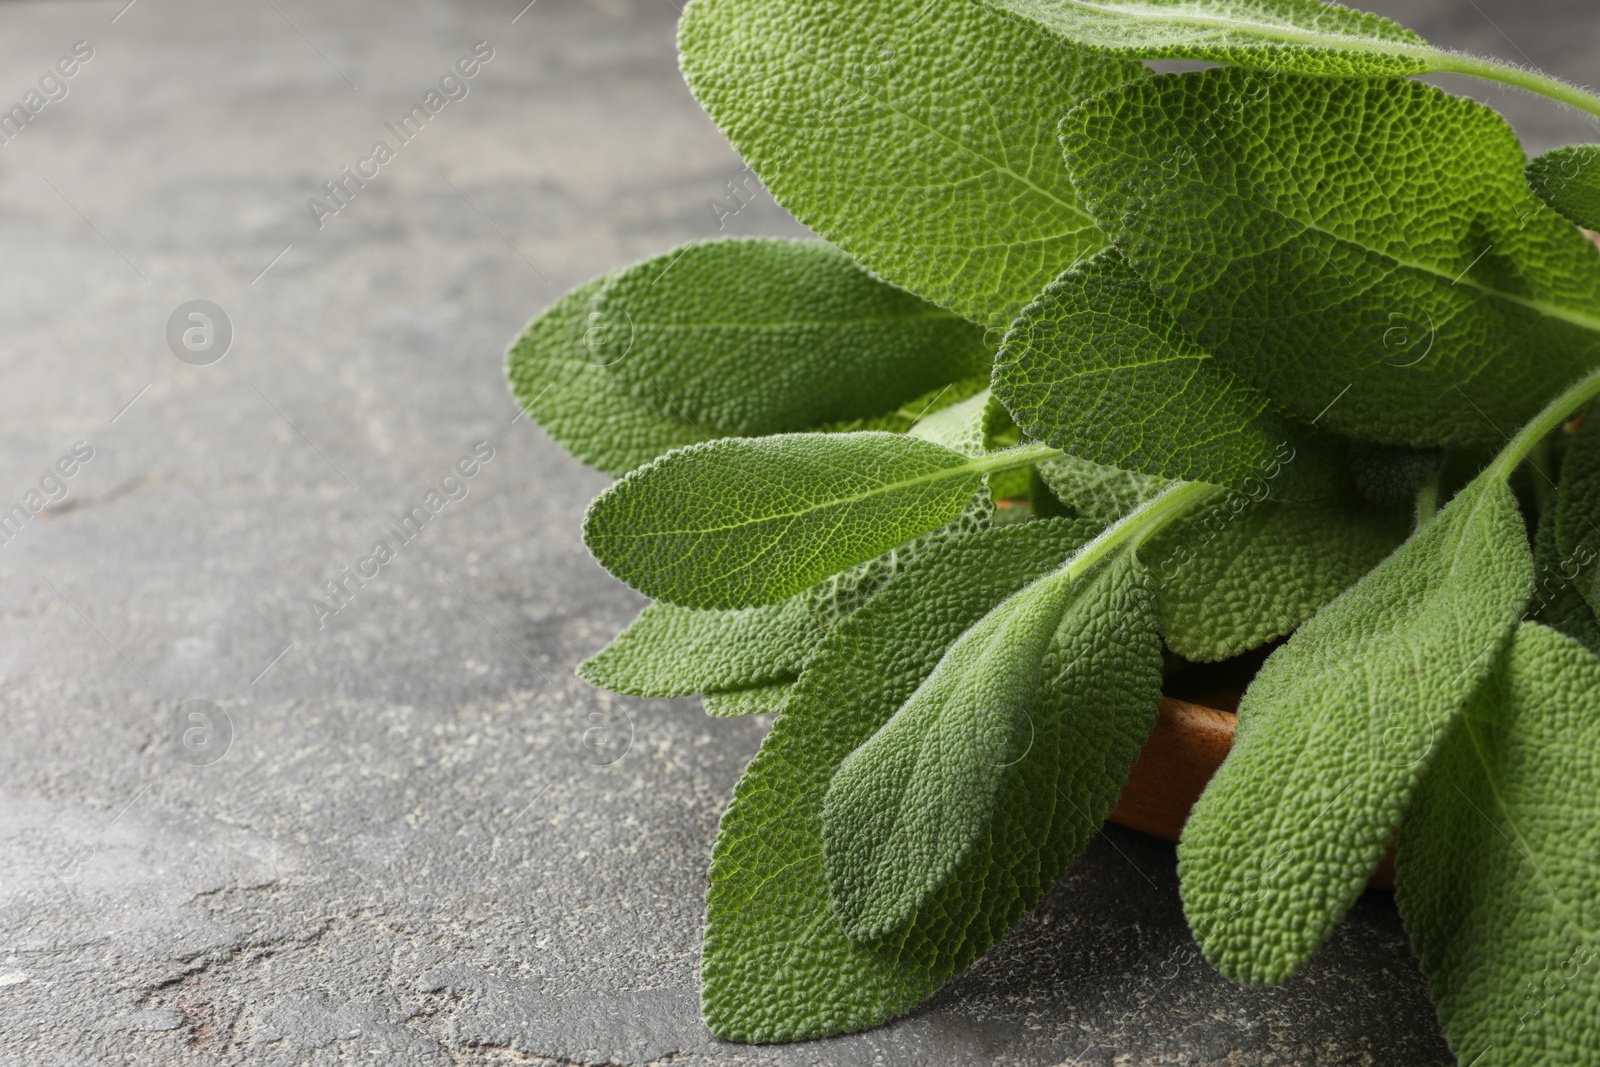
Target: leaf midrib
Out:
[1285,34]
[1585,322]
[780,323]
[1076,588]
[974,467]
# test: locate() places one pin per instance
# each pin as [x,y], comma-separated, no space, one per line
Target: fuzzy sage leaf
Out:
[669,651]
[746,521]
[1241,572]
[1291,36]
[752,700]
[1298,36]
[1336,730]
[1410,292]
[882,133]
[769,891]
[906,808]
[769,336]
[557,371]
[1495,873]
[1097,367]
[1557,601]
[1568,179]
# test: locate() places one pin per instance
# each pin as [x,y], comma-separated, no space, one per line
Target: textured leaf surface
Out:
[1097,492]
[919,141]
[1498,862]
[1243,573]
[777,966]
[1364,251]
[1098,367]
[767,336]
[747,521]
[1303,36]
[960,427]
[1577,510]
[1568,179]
[1336,729]
[670,651]
[557,373]
[1556,600]
[1392,474]
[835,598]
[906,807]
[755,700]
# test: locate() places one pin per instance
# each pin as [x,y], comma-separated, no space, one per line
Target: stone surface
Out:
[405,833]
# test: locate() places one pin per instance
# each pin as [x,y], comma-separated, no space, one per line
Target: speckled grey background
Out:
[426,842]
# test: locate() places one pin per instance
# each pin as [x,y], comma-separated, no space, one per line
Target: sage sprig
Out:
[1095,371]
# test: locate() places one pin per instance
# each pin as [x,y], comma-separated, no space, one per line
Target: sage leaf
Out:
[1568,179]
[746,521]
[557,371]
[907,807]
[777,966]
[1301,36]
[960,427]
[1410,292]
[1097,492]
[1337,728]
[1243,572]
[838,596]
[769,336]
[669,651]
[754,700]
[1577,511]
[1392,474]
[1097,367]
[1557,601]
[1496,872]
[922,146]
[1291,36]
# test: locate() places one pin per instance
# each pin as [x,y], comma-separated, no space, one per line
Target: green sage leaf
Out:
[557,371]
[670,651]
[1337,728]
[962,427]
[1496,870]
[746,521]
[1557,599]
[838,596]
[754,700]
[919,141]
[768,336]
[1097,367]
[1410,291]
[777,966]
[1104,494]
[1568,179]
[1301,36]
[906,808]
[1244,572]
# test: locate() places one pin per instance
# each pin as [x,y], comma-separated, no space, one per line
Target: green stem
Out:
[1553,415]
[1505,73]
[1139,524]
[1012,458]
[1173,502]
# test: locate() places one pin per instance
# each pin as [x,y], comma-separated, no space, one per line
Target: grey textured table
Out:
[411,835]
